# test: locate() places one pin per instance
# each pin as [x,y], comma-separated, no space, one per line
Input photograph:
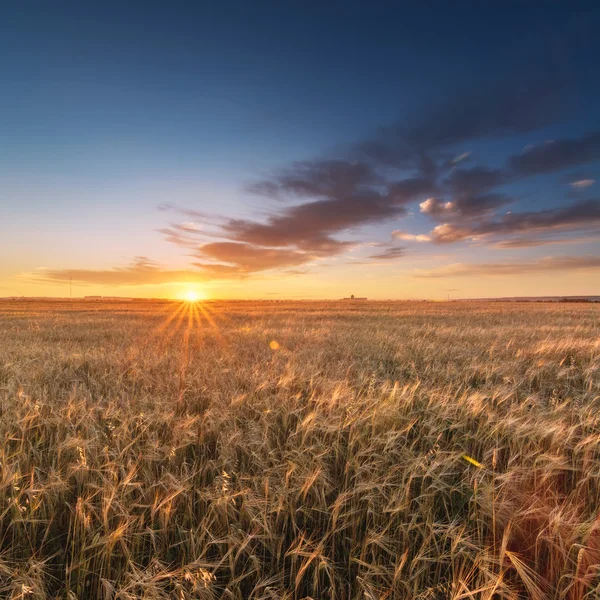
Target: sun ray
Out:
[196,316]
[185,356]
[188,317]
[180,319]
[157,331]
[207,316]
[190,323]
[217,315]
[173,316]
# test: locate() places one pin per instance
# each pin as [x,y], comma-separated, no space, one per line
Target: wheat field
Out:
[279,450]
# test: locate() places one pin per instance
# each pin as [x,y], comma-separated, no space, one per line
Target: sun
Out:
[191,296]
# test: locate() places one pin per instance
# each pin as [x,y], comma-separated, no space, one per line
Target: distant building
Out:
[106,299]
[353,298]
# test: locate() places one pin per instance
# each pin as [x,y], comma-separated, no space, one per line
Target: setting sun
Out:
[191,296]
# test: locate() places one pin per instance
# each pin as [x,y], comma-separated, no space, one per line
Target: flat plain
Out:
[280,450]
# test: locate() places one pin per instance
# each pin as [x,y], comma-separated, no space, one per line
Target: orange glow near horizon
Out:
[192,295]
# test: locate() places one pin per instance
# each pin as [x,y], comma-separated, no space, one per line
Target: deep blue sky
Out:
[109,111]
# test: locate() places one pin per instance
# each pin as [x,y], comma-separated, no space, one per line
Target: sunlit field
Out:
[299,450]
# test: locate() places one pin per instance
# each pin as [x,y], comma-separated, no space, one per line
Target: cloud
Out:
[583,183]
[470,195]
[477,206]
[433,206]
[324,178]
[553,156]
[389,253]
[375,180]
[506,107]
[348,195]
[530,242]
[410,237]
[448,233]
[332,196]
[242,258]
[468,208]
[182,234]
[460,158]
[297,272]
[475,180]
[141,271]
[309,226]
[464,207]
[566,263]
[578,216]
[412,188]
[341,195]
[189,212]
[342,205]
[357,188]
[190,227]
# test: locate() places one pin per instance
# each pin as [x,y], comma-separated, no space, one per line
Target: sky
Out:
[300,149]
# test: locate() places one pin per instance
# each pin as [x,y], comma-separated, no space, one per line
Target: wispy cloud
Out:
[141,271]
[508,107]
[460,158]
[389,253]
[530,242]
[341,195]
[580,216]
[467,207]
[556,155]
[232,257]
[410,237]
[566,263]
[320,178]
[582,184]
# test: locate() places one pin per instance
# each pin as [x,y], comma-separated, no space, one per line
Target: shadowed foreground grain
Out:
[307,450]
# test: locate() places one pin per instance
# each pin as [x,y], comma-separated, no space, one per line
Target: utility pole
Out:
[70,287]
